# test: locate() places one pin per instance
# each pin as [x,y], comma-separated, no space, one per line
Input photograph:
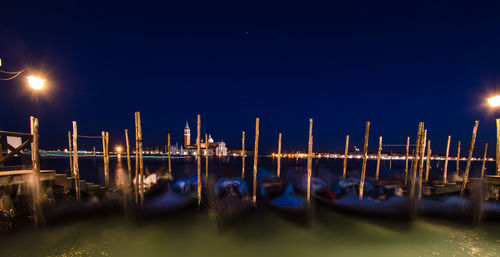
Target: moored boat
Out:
[177,196]
[343,198]
[232,198]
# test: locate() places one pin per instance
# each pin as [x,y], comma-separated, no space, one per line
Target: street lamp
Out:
[494,101]
[35,82]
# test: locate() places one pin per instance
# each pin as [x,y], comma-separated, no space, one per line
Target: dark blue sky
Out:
[393,63]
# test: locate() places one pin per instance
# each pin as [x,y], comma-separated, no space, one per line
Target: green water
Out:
[260,234]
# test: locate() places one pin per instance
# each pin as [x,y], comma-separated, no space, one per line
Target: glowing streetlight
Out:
[494,101]
[118,149]
[35,82]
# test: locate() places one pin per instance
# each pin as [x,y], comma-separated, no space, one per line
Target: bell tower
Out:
[187,135]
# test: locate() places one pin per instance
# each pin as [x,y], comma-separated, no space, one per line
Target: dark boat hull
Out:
[169,202]
[269,196]
[394,208]
[230,208]
[232,200]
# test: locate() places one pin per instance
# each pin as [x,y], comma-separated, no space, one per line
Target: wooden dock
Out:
[15,177]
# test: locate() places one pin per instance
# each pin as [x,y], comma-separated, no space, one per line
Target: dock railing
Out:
[15,151]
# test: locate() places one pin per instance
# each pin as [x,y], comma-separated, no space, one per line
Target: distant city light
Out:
[36,82]
[494,101]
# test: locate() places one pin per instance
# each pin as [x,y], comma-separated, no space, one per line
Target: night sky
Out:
[393,63]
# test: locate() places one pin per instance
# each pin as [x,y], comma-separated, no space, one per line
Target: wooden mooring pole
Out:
[136,185]
[76,170]
[279,156]
[458,158]
[390,161]
[484,160]
[1,153]
[255,159]
[414,166]
[469,157]
[70,151]
[365,157]
[139,160]
[35,158]
[206,156]
[497,168]
[107,158]
[378,157]
[445,170]
[346,153]
[428,161]
[406,159]
[243,155]
[169,158]
[309,161]
[104,135]
[198,158]
[421,164]
[129,166]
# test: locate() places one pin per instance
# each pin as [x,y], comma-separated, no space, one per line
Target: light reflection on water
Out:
[121,174]
[262,234]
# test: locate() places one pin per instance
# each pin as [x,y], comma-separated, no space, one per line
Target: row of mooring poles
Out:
[417,166]
[255,162]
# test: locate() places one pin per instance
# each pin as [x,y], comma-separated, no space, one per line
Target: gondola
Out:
[279,196]
[177,196]
[459,209]
[232,198]
[152,185]
[344,199]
